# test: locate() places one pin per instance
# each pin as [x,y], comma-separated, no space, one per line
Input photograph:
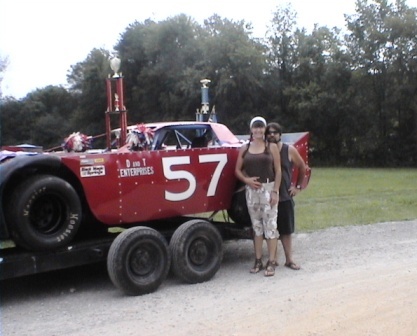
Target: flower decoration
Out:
[140,138]
[77,142]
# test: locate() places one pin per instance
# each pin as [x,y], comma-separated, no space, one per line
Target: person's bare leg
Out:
[286,241]
[272,249]
[258,241]
[257,244]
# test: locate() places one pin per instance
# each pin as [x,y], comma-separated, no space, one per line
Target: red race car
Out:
[187,169]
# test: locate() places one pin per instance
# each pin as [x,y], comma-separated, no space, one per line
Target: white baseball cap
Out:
[258,119]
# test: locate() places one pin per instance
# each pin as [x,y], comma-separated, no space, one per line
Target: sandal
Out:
[293,266]
[257,267]
[270,268]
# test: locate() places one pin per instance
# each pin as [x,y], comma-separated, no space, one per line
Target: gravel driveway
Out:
[358,280]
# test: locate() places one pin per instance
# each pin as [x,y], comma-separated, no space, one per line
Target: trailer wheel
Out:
[197,251]
[44,213]
[138,261]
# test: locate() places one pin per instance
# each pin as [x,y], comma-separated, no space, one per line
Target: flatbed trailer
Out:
[17,262]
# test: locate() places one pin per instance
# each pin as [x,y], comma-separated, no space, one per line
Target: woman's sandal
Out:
[257,267]
[270,268]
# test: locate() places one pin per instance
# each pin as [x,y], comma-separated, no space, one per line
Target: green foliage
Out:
[41,119]
[88,83]
[236,64]
[339,197]
[382,43]
[356,93]
[160,60]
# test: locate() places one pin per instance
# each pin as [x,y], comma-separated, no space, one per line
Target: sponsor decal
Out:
[86,162]
[92,171]
[90,162]
[136,168]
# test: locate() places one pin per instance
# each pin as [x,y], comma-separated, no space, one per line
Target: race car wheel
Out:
[197,251]
[238,211]
[138,261]
[44,213]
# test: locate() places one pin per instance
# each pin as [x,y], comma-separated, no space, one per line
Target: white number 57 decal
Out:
[168,163]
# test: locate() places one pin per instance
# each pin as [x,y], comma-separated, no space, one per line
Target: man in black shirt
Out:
[286,220]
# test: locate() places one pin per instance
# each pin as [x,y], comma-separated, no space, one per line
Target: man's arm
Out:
[299,163]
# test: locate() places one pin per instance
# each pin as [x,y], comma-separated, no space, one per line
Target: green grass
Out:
[348,196]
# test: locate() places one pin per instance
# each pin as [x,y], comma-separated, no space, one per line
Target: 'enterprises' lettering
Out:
[138,171]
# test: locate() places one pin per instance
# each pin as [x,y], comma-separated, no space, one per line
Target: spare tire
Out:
[44,213]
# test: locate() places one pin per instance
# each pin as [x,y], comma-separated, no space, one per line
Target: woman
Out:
[258,166]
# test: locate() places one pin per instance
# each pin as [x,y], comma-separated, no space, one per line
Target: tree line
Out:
[354,90]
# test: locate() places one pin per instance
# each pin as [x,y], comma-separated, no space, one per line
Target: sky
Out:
[43,38]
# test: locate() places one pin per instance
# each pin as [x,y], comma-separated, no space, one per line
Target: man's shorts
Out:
[263,216]
[286,220]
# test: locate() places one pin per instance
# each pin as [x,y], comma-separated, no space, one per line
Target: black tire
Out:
[139,260]
[197,251]
[44,213]
[238,211]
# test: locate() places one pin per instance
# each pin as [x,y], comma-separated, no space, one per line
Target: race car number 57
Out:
[170,162]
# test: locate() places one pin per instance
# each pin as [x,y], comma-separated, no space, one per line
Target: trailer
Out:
[138,258]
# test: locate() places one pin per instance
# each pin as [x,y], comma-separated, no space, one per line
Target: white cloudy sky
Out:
[43,38]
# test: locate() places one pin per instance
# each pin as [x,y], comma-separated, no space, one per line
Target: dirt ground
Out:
[358,280]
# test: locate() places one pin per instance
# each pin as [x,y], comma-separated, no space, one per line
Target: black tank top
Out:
[261,165]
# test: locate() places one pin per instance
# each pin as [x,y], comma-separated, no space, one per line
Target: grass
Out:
[348,196]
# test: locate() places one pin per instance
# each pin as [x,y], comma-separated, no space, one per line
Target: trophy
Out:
[115,66]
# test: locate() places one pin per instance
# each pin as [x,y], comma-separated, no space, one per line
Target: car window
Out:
[183,137]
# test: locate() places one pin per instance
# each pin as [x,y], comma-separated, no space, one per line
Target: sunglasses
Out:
[273,132]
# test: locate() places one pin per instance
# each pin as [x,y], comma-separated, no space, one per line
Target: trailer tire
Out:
[139,260]
[44,213]
[197,251]
[238,211]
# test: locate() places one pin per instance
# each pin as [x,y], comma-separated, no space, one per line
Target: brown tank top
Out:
[261,165]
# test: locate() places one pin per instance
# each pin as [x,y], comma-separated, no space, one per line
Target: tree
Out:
[41,118]
[281,57]
[383,45]
[160,61]
[12,122]
[309,80]
[87,81]
[3,66]
[236,65]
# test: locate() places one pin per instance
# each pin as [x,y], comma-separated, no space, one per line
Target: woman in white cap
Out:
[259,166]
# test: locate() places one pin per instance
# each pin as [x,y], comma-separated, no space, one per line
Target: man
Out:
[286,219]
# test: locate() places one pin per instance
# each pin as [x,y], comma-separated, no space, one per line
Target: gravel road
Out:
[358,280]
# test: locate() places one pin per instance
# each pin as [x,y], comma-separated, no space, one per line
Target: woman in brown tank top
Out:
[258,166]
